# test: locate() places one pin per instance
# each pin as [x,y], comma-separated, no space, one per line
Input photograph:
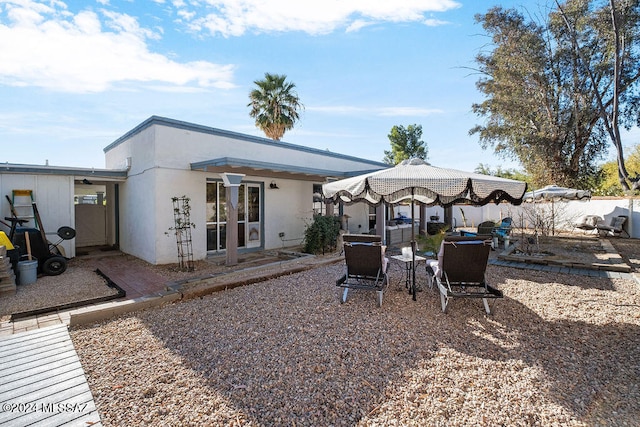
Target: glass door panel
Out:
[254,229]
[249,224]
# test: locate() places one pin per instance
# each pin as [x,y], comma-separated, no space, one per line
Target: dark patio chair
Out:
[366,266]
[484,229]
[615,228]
[460,270]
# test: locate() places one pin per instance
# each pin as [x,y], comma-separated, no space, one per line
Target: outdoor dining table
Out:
[408,261]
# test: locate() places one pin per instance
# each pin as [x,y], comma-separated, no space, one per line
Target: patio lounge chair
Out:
[588,223]
[484,229]
[460,269]
[503,230]
[366,265]
[616,228]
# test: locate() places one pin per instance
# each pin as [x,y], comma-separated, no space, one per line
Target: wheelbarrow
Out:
[50,260]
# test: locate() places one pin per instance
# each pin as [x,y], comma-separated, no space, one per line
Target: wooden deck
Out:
[42,382]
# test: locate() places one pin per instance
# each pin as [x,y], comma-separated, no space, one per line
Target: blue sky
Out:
[76,75]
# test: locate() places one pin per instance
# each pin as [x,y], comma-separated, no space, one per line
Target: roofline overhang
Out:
[271,170]
[77,173]
[192,127]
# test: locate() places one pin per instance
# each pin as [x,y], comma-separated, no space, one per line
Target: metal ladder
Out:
[22,206]
[24,209]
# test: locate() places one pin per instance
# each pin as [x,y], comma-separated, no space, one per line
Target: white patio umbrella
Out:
[553,193]
[418,181]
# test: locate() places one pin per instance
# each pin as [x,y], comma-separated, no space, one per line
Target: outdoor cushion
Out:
[588,222]
[436,264]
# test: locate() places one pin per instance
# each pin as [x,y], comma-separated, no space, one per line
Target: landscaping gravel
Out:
[77,283]
[559,350]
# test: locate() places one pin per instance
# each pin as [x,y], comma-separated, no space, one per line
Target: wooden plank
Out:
[37,367]
[18,358]
[36,382]
[48,397]
[88,420]
[78,410]
[48,367]
[43,382]
[23,358]
[34,342]
[31,335]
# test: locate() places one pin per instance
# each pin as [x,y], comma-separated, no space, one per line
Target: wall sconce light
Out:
[273,185]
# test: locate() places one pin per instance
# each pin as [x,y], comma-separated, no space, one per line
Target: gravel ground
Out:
[78,283]
[559,350]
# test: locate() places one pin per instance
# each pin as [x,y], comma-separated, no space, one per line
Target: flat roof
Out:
[89,173]
[164,121]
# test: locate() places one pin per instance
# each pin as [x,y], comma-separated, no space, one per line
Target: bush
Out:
[321,235]
[431,243]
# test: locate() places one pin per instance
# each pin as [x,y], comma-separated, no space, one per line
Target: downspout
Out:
[116,213]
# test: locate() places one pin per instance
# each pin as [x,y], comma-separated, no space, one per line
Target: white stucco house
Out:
[161,159]
[129,203]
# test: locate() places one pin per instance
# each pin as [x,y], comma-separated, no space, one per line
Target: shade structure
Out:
[424,183]
[554,193]
[416,180]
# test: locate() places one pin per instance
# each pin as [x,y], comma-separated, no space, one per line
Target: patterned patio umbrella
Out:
[553,193]
[416,180]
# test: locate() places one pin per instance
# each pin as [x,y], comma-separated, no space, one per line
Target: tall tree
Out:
[275,105]
[502,173]
[405,144]
[617,27]
[542,106]
[609,184]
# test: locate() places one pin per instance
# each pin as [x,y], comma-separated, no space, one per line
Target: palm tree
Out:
[274,104]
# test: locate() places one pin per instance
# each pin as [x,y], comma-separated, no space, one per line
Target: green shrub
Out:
[321,235]
[431,243]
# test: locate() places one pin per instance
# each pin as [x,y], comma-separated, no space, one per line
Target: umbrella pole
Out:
[413,247]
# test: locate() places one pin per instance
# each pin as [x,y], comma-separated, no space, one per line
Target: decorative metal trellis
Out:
[182,231]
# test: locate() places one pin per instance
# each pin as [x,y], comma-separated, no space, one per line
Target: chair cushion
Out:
[618,222]
[436,265]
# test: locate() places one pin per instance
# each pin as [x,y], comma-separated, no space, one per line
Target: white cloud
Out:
[49,47]
[407,111]
[434,22]
[235,17]
[376,111]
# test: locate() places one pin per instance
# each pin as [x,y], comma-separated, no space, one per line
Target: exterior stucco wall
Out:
[146,214]
[138,216]
[159,155]
[358,218]
[174,144]
[140,150]
[288,210]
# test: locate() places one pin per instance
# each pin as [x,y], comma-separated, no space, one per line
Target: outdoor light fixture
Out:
[273,185]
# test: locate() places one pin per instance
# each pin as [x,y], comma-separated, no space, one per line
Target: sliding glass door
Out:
[249,216]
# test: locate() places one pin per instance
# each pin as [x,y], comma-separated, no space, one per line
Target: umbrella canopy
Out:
[414,179]
[553,193]
[424,183]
